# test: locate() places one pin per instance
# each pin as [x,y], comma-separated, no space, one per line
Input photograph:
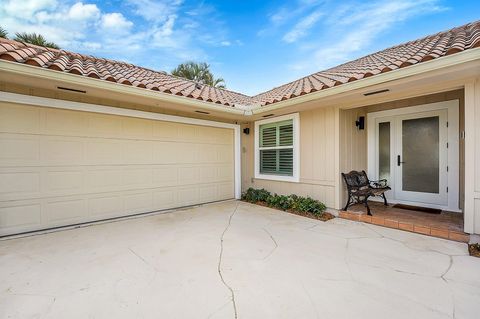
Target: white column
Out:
[472,157]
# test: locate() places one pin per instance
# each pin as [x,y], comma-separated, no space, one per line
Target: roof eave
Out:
[423,67]
[47,74]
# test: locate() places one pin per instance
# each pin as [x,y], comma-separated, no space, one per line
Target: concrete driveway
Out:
[236,260]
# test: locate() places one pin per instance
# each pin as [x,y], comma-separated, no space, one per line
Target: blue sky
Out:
[253,45]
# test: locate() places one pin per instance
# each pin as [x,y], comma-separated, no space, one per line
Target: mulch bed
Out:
[474,250]
[324,217]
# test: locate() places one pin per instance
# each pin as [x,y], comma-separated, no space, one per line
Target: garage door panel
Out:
[19,217]
[101,125]
[164,152]
[136,128]
[187,195]
[19,150]
[165,176]
[138,152]
[207,153]
[208,174]
[208,193]
[106,206]
[104,178]
[61,151]
[225,191]
[188,175]
[137,177]
[61,167]
[165,130]
[64,180]
[66,211]
[187,133]
[186,152]
[224,173]
[138,202]
[101,152]
[224,153]
[19,119]
[164,199]
[65,122]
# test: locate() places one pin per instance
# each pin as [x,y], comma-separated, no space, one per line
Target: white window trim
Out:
[296,148]
[80,106]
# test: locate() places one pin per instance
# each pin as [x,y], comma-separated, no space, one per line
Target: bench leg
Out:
[369,213]
[384,200]
[348,202]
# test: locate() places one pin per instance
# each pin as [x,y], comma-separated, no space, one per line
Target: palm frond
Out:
[34,38]
[198,72]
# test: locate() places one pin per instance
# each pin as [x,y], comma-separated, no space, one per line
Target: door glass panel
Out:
[384,150]
[420,154]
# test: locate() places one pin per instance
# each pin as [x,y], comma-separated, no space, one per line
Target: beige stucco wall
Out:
[317,158]
[319,128]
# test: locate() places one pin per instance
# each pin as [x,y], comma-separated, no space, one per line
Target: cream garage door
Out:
[61,167]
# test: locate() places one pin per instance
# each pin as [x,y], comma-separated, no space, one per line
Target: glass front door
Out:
[412,156]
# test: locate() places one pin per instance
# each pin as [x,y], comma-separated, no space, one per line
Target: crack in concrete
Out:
[144,261]
[219,266]
[410,247]
[274,241]
[218,309]
[311,300]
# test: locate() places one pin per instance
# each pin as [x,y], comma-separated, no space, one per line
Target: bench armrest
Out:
[379,184]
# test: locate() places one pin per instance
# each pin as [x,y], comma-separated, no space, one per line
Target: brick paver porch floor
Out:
[446,225]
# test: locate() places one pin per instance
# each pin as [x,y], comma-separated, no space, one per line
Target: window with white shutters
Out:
[276,148]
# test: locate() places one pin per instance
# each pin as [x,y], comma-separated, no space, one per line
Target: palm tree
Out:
[198,72]
[3,33]
[34,38]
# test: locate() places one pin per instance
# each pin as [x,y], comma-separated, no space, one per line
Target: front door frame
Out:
[452,108]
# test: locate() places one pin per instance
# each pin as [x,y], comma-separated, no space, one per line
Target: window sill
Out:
[280,178]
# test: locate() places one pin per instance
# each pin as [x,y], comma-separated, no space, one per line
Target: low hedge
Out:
[292,203]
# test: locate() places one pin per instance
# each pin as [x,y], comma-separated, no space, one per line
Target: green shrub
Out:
[280,201]
[253,195]
[291,202]
[308,205]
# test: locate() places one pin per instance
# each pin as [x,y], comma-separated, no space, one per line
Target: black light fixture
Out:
[360,123]
[246,130]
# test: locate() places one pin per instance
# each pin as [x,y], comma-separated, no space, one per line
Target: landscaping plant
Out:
[292,203]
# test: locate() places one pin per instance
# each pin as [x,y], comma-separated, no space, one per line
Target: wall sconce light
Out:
[246,130]
[360,123]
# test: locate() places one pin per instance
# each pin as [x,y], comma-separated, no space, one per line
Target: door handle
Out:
[399,161]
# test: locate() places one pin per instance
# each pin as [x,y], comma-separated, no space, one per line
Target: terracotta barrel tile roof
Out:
[431,47]
[403,55]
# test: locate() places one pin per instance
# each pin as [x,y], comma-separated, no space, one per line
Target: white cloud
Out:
[225,43]
[115,22]
[80,11]
[302,27]
[25,9]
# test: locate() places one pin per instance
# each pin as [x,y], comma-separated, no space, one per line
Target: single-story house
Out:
[85,139]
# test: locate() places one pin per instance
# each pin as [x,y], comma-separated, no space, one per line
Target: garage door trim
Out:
[95,108]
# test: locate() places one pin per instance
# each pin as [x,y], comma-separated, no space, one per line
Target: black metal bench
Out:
[360,188]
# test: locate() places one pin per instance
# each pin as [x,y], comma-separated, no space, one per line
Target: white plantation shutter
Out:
[276,148]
